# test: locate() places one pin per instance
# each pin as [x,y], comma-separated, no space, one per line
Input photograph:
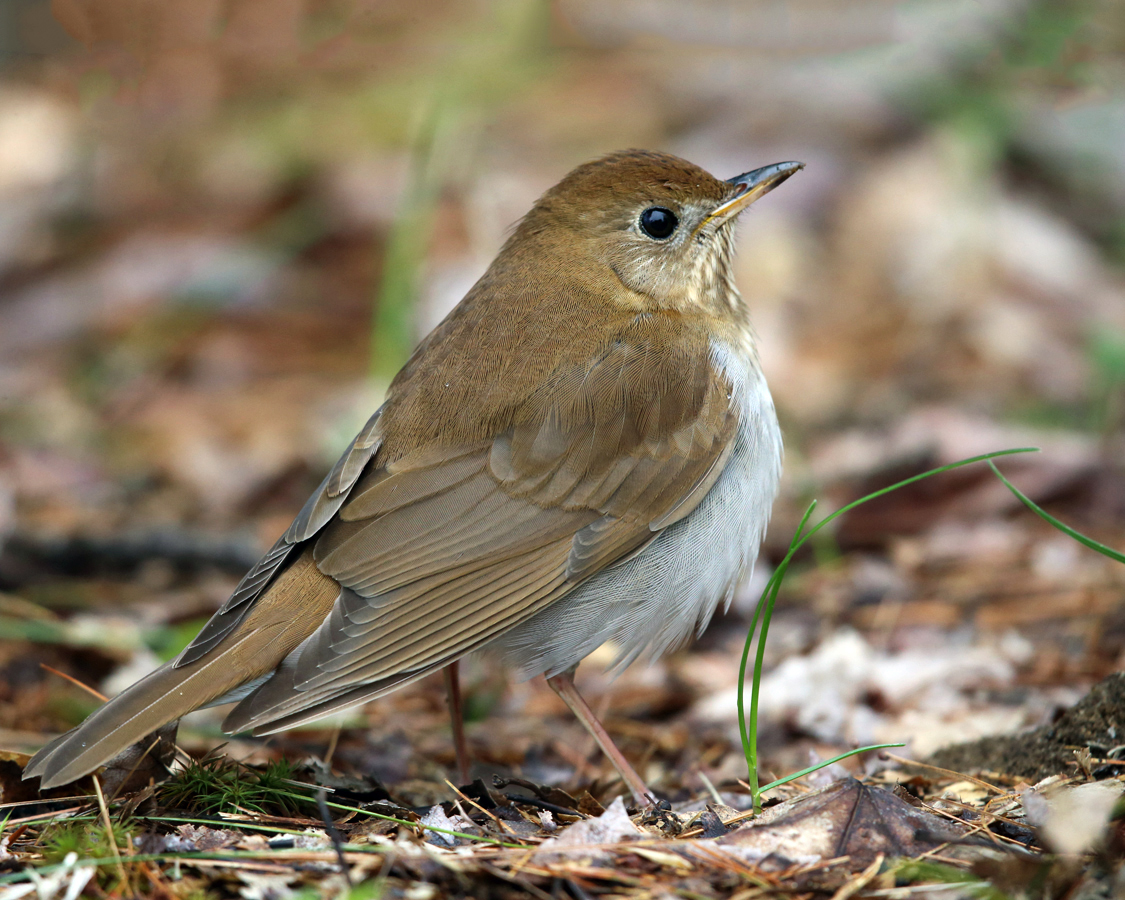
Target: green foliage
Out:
[447,105]
[1106,352]
[748,724]
[479,704]
[1114,239]
[371,889]
[924,871]
[168,642]
[217,784]
[198,892]
[1045,47]
[72,707]
[1051,520]
[88,839]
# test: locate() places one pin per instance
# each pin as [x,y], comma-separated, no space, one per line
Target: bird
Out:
[585,450]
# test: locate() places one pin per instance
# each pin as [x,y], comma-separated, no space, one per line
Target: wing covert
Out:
[441,550]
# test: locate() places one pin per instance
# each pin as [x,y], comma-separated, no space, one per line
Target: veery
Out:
[584,450]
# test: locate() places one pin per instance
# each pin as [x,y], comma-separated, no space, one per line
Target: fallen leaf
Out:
[845,819]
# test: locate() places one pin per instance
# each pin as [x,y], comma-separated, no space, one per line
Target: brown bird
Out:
[584,450]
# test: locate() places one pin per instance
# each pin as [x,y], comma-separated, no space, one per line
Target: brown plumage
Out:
[556,432]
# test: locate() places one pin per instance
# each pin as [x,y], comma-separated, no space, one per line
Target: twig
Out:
[333,739]
[109,829]
[902,760]
[857,884]
[902,893]
[982,813]
[40,801]
[136,766]
[499,824]
[333,834]
[48,817]
[74,681]
[522,884]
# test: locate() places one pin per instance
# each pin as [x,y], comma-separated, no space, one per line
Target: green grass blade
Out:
[1051,520]
[748,730]
[823,764]
[748,742]
[480,839]
[749,736]
[907,481]
[185,856]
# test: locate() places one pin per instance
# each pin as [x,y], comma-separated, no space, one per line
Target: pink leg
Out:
[452,674]
[563,685]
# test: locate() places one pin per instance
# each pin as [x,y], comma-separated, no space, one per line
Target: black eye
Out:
[658,222]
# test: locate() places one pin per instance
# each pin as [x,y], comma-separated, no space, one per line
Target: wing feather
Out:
[440,550]
[325,501]
[318,672]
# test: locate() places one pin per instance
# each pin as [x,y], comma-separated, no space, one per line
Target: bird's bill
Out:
[751,186]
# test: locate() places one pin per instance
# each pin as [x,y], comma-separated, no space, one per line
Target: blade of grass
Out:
[183,856]
[393,325]
[767,604]
[312,800]
[763,605]
[230,823]
[187,856]
[243,824]
[1051,520]
[749,731]
[460,834]
[823,764]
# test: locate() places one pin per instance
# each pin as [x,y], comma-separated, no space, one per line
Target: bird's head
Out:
[662,225]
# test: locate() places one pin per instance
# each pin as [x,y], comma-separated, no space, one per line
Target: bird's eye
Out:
[658,222]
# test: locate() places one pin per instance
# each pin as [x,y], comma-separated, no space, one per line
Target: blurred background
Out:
[225,223]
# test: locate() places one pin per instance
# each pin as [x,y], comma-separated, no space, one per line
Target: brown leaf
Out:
[844,819]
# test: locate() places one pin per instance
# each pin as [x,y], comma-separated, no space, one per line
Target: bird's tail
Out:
[284,616]
[155,700]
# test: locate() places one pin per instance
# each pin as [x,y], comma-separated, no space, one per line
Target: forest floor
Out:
[207,281]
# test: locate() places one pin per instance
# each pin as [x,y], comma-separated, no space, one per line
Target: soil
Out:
[1096,723]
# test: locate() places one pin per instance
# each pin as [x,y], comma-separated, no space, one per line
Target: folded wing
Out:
[442,550]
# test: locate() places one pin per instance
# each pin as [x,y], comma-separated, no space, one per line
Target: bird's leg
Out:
[452,674]
[563,685]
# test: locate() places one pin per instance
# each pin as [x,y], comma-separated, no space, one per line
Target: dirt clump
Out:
[1096,723]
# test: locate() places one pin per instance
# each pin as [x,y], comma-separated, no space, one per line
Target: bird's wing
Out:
[443,549]
[324,503]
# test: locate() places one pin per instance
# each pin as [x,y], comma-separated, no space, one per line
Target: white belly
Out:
[658,598]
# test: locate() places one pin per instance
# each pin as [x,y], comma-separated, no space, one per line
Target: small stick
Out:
[75,682]
[136,766]
[109,829]
[499,824]
[902,760]
[333,835]
[332,741]
[857,884]
[715,795]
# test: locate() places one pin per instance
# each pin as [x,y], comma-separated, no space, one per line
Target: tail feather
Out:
[285,615]
[35,765]
[155,700]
